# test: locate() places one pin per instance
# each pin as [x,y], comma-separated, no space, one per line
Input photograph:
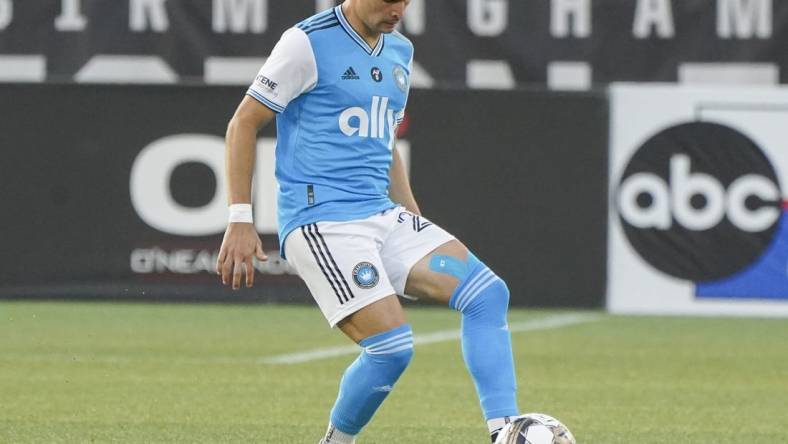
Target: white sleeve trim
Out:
[290,71]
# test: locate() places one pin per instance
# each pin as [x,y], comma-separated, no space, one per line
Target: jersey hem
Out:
[334,216]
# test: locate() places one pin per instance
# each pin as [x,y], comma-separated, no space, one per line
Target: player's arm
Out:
[241,241]
[290,71]
[241,143]
[399,186]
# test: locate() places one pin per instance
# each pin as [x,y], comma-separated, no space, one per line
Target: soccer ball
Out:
[535,428]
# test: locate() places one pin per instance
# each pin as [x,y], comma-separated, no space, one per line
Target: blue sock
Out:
[483,299]
[371,377]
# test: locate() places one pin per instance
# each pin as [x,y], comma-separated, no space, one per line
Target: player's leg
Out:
[426,262]
[453,275]
[347,279]
[387,342]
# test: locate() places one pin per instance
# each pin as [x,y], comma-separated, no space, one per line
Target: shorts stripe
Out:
[320,264]
[330,256]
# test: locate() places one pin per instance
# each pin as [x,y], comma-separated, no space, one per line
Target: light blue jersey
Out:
[339,102]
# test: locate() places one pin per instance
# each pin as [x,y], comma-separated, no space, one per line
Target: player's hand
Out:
[241,243]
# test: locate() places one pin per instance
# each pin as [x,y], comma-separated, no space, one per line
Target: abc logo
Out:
[699,201]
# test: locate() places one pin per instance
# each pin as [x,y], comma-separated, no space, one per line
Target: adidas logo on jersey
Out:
[373,124]
[350,74]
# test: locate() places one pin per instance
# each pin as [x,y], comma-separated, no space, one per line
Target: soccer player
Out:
[337,84]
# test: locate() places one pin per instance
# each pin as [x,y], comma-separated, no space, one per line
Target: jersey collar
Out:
[343,21]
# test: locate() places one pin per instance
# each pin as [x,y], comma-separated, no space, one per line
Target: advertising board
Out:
[698,215]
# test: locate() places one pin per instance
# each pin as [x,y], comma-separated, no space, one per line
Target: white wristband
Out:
[241,213]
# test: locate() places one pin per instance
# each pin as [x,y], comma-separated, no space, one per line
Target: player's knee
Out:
[392,349]
[494,301]
[481,291]
[400,360]
[499,294]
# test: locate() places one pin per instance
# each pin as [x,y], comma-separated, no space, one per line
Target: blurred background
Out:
[520,134]
[616,162]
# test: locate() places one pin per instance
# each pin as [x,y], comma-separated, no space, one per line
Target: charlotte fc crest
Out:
[401,78]
[365,275]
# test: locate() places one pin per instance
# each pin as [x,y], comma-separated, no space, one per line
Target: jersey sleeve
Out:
[290,71]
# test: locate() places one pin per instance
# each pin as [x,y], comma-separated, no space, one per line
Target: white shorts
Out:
[349,265]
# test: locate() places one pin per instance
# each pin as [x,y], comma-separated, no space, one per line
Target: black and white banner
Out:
[565,44]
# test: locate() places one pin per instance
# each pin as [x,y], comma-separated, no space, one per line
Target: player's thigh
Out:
[432,277]
[341,265]
[378,317]
[410,246]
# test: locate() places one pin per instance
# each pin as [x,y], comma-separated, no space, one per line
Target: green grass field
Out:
[84,372]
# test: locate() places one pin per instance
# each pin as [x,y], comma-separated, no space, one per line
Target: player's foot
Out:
[336,436]
[324,441]
[495,426]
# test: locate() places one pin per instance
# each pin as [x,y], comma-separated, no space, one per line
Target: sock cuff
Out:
[473,285]
[392,341]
